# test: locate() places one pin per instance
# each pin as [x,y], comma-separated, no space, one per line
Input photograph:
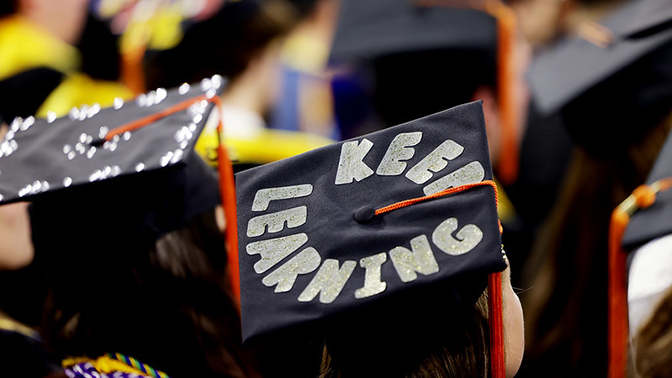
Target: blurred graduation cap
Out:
[363,222]
[129,169]
[643,217]
[487,28]
[628,53]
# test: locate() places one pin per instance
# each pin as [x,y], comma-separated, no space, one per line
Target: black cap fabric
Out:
[569,68]
[372,28]
[89,169]
[314,242]
[655,220]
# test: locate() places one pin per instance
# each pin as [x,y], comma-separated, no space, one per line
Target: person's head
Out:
[227,43]
[65,19]
[127,234]
[381,275]
[16,249]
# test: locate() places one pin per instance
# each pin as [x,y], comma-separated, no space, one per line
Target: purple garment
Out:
[86,370]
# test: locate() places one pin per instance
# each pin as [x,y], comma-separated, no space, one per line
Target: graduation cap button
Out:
[364,214]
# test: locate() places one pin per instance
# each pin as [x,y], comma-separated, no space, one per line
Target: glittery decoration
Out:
[272,251]
[284,277]
[434,162]
[420,259]
[392,163]
[350,164]
[372,283]
[118,103]
[183,89]
[467,238]
[265,196]
[294,217]
[27,123]
[469,174]
[328,281]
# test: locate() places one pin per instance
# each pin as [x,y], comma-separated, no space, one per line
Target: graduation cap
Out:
[624,53]
[644,216]
[379,28]
[361,222]
[130,168]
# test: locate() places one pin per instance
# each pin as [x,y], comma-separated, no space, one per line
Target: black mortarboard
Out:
[655,220]
[480,32]
[368,29]
[129,168]
[628,53]
[575,64]
[364,221]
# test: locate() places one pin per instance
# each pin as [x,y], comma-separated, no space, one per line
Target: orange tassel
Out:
[641,198]
[496,321]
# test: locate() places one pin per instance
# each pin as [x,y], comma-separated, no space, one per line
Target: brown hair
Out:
[169,306]
[225,44]
[457,346]
[653,342]
[566,312]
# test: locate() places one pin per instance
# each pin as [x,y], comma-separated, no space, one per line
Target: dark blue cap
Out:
[317,238]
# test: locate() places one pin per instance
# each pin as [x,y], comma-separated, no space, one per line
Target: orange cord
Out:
[227,187]
[641,198]
[144,121]
[442,193]
[496,322]
[226,181]
[507,171]
[132,74]
[496,316]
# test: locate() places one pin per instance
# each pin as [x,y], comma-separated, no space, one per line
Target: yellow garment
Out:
[25,45]
[161,31]
[305,53]
[505,208]
[79,89]
[267,146]
[103,364]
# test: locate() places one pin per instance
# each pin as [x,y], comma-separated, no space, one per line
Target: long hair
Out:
[653,342]
[168,305]
[566,312]
[453,342]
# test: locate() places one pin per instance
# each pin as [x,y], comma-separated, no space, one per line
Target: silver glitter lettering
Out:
[351,165]
[294,217]
[420,259]
[274,250]
[392,163]
[265,196]
[434,162]
[372,283]
[328,281]
[466,239]
[284,277]
[469,174]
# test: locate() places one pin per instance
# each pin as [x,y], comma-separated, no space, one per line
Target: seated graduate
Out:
[646,219]
[382,248]
[124,223]
[24,353]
